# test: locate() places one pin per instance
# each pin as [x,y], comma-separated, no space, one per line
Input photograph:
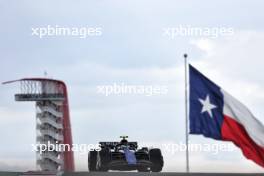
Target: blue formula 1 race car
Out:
[125,156]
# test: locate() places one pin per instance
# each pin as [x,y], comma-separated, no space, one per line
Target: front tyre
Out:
[103,159]
[157,160]
[92,160]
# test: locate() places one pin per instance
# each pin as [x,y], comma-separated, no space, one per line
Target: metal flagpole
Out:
[186,115]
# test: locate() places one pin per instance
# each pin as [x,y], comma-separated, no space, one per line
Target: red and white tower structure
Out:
[52,120]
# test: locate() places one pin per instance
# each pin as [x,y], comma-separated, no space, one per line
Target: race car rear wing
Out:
[113,144]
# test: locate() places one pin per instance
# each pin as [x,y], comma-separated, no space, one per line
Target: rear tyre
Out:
[92,160]
[157,160]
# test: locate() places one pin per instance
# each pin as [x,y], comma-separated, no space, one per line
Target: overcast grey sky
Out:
[132,49]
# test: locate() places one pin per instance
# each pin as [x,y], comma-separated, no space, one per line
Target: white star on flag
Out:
[207,106]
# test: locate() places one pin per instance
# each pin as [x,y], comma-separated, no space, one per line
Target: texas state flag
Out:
[216,114]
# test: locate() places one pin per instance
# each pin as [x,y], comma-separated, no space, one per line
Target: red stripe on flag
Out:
[235,132]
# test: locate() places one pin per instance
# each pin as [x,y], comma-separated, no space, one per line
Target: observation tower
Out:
[52,120]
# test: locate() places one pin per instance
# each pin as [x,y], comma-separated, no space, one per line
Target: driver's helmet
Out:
[124,140]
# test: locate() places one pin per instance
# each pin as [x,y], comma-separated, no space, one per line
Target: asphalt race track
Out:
[156,174]
[140,174]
